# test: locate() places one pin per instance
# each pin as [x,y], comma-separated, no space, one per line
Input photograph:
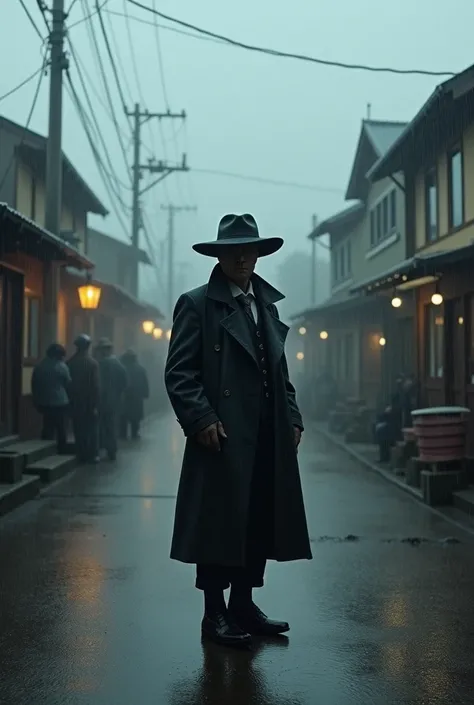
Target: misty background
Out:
[249,114]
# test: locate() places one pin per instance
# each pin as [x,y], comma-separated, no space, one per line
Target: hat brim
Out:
[266,245]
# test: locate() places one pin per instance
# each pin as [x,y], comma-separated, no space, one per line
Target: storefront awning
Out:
[415,271]
[19,233]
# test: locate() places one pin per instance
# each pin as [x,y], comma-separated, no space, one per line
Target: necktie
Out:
[246,302]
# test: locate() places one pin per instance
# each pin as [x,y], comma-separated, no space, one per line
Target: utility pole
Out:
[54,166]
[172,210]
[313,263]
[153,167]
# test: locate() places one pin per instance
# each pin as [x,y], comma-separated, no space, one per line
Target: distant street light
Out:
[148,327]
[382,342]
[302,330]
[157,333]
[300,356]
[168,334]
[324,335]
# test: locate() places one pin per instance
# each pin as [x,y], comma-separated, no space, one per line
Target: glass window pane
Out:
[456,190]
[379,221]
[393,209]
[385,216]
[431,206]
[373,235]
[34,323]
[435,341]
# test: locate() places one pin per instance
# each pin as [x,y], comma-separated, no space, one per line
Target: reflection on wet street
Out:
[93,612]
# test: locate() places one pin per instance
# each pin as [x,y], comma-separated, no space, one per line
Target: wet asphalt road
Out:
[94,613]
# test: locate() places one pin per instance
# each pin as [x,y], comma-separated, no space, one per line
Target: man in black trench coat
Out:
[239,500]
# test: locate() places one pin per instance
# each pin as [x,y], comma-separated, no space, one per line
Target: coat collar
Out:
[218,289]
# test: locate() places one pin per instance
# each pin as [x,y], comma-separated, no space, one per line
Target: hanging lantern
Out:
[157,333]
[148,327]
[89,296]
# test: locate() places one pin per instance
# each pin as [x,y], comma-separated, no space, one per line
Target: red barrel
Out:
[441,433]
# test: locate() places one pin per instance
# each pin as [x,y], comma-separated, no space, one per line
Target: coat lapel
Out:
[234,323]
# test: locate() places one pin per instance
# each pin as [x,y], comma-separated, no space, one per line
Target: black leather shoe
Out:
[252,620]
[220,628]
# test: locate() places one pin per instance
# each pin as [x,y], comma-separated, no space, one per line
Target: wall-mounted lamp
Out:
[89,295]
[157,333]
[437,298]
[396,301]
[324,335]
[382,342]
[300,356]
[302,330]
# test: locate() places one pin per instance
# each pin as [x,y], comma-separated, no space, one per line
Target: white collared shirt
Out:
[237,291]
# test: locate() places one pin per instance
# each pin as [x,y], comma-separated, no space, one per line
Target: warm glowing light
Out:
[300,356]
[437,299]
[396,302]
[302,330]
[89,296]
[168,334]
[148,327]
[382,342]
[324,335]
[157,333]
[461,320]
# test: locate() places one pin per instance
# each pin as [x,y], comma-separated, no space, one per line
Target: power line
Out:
[112,175]
[167,28]
[160,59]
[95,46]
[100,165]
[20,85]
[30,17]
[111,56]
[42,7]
[28,120]
[289,55]
[274,182]
[90,14]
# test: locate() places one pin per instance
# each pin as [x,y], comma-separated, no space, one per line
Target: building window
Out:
[456,189]
[342,262]
[334,267]
[435,341]
[349,257]
[373,229]
[33,199]
[431,205]
[393,209]
[383,218]
[31,328]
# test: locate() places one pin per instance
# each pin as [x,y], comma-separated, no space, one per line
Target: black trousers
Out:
[86,434]
[260,525]
[54,426]
[108,432]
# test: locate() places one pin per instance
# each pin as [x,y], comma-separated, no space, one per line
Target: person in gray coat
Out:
[50,385]
[113,381]
[239,501]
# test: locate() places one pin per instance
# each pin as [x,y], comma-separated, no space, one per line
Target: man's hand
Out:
[297,436]
[210,436]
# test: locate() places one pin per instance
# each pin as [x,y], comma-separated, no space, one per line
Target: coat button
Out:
[258,334]
[260,347]
[227,392]
[217,347]
[264,372]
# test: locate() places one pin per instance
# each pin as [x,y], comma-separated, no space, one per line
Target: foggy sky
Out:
[248,113]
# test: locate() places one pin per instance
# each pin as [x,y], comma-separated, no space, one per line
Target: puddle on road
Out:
[414,541]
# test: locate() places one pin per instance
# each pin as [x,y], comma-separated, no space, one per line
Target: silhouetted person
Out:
[134,396]
[113,383]
[84,395]
[239,500]
[49,387]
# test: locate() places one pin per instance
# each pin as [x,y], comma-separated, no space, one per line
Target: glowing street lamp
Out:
[300,356]
[148,327]
[396,302]
[168,334]
[89,296]
[382,342]
[324,335]
[302,330]
[437,299]
[157,333]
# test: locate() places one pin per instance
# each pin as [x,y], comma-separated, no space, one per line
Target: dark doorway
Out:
[11,329]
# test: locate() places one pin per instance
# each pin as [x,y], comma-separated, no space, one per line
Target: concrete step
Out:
[32,450]
[51,468]
[8,440]
[13,496]
[464,499]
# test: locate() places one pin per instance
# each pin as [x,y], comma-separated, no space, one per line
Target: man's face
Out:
[238,263]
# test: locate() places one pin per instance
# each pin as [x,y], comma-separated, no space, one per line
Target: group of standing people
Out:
[102,395]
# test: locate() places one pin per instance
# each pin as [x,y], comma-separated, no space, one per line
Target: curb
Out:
[411,491]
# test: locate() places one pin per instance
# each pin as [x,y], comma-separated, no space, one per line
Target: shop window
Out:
[31,328]
[435,341]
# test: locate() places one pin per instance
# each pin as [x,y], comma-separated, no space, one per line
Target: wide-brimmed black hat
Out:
[239,230]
